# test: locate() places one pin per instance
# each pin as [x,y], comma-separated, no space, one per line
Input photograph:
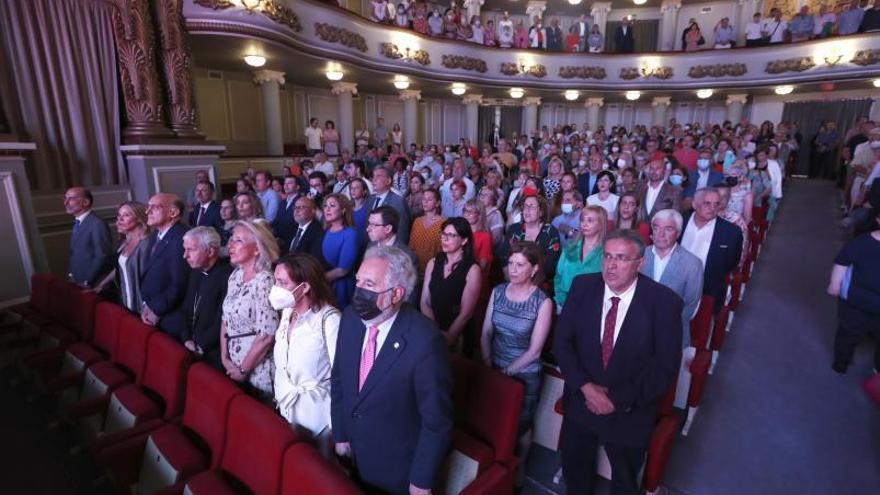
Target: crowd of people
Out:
[585,36]
[303,284]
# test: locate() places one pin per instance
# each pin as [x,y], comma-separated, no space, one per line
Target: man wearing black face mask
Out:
[390,382]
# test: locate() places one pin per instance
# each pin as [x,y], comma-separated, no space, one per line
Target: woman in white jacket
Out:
[305,344]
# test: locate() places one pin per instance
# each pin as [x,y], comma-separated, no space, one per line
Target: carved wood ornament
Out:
[466,63]
[333,34]
[177,64]
[582,72]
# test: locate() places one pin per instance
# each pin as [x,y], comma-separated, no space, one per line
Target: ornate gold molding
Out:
[391,50]
[344,37]
[799,64]
[582,72]
[630,73]
[269,8]
[866,57]
[717,70]
[465,63]
[514,69]
[177,64]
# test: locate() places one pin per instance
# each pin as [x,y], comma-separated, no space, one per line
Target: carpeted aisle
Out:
[775,419]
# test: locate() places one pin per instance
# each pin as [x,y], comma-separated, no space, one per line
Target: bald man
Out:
[91,247]
[164,275]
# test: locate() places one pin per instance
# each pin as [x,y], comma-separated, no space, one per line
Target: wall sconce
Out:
[334,72]
[783,90]
[401,82]
[516,93]
[704,93]
[876,83]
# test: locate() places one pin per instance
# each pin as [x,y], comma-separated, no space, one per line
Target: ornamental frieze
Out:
[333,34]
[582,72]
[466,63]
[717,70]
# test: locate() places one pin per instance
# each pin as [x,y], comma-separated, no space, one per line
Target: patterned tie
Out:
[608,334]
[296,239]
[368,357]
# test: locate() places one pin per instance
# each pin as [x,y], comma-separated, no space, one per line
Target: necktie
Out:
[295,242]
[376,203]
[199,218]
[608,333]
[76,226]
[368,357]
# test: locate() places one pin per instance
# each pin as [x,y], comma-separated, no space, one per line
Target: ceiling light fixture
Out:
[459,89]
[401,82]
[255,60]
[640,2]
[784,90]
[572,95]
[334,72]
[704,93]
[633,95]
[877,83]
[574,2]
[517,92]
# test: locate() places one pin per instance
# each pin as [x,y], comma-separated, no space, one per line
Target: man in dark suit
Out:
[587,181]
[91,248]
[382,231]
[206,211]
[309,234]
[717,242]
[623,37]
[700,178]
[164,276]
[391,384]
[656,193]
[618,344]
[554,36]
[383,195]
[205,291]
[284,226]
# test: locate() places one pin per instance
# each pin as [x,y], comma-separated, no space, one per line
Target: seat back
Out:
[108,317]
[208,396]
[493,407]
[305,472]
[165,372]
[256,439]
[40,283]
[702,322]
[131,348]
[72,307]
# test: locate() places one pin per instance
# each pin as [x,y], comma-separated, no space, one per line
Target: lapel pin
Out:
[396,345]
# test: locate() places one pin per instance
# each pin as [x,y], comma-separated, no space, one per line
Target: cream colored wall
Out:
[770,107]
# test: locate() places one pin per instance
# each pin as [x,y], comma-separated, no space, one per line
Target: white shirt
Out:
[651,196]
[753,30]
[702,178]
[384,328]
[610,203]
[622,307]
[660,263]
[776,34]
[328,167]
[161,234]
[698,240]
[313,138]
[82,216]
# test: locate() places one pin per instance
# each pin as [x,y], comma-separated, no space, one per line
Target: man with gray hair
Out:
[205,292]
[390,379]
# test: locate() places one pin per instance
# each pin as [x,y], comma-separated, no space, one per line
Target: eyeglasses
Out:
[619,258]
[449,235]
[530,207]
[376,225]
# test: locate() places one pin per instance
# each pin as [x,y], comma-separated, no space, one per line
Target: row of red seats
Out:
[153,419]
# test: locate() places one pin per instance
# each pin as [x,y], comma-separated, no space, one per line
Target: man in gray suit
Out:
[674,266]
[383,195]
[91,248]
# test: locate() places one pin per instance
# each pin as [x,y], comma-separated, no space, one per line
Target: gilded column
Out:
[177,67]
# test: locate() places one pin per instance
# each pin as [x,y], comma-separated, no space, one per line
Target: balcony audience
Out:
[164,275]
[801,25]
[773,29]
[314,135]
[871,20]
[595,41]
[91,248]
[692,37]
[624,41]
[123,283]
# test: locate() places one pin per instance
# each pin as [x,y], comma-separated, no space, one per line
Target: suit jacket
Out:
[394,200]
[714,178]
[164,279]
[284,226]
[644,363]
[211,218]
[203,308]
[624,43]
[399,425]
[684,275]
[312,242]
[554,38]
[669,197]
[724,255]
[91,251]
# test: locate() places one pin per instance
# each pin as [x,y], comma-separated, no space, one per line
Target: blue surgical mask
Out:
[675,180]
[703,163]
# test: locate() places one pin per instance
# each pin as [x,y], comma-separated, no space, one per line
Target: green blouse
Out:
[570,266]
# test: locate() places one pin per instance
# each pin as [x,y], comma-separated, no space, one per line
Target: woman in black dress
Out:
[452,287]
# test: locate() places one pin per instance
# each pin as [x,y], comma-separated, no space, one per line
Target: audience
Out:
[629,215]
[228,216]
[164,274]
[340,247]
[206,211]
[123,281]
[583,253]
[534,228]
[91,248]
[425,237]
[248,207]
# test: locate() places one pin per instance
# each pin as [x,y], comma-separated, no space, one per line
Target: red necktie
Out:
[608,333]
[368,357]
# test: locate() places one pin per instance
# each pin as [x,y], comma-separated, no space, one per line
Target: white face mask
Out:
[281,298]
[567,208]
[313,192]
[425,175]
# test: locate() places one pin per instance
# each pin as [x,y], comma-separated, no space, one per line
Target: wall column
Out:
[745,9]
[535,8]
[530,114]
[668,20]
[735,104]
[472,116]
[593,106]
[177,64]
[600,11]
[874,112]
[660,104]
[472,8]
[270,82]
[410,99]
[344,92]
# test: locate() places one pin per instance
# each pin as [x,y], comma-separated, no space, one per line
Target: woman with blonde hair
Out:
[247,330]
[583,254]
[131,225]
[248,206]
[340,246]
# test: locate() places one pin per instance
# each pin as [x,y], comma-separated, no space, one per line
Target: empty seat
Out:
[256,439]
[305,472]
[39,296]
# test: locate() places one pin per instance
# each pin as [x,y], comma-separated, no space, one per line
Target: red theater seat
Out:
[256,439]
[305,472]
[701,324]
[699,372]
[39,297]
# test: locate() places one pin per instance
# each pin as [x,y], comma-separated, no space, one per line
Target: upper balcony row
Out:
[496,48]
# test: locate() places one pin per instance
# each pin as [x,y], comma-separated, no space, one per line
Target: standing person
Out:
[505,31]
[692,38]
[415,192]
[383,344]
[284,225]
[850,18]
[330,138]
[858,309]
[249,322]
[629,215]
[583,31]
[268,196]
[605,197]
[248,206]
[595,42]
[206,211]
[515,329]
[91,248]
[340,247]
[452,281]
[425,237]
[615,349]
[583,254]
[825,146]
[725,35]
[554,36]
[754,35]
[314,135]
[623,37]
[384,195]
[358,191]
[380,134]
[164,275]
[535,228]
[228,215]
[133,250]
[309,234]
[362,136]
[205,293]
[537,38]
[801,25]
[773,29]
[305,346]
[396,135]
